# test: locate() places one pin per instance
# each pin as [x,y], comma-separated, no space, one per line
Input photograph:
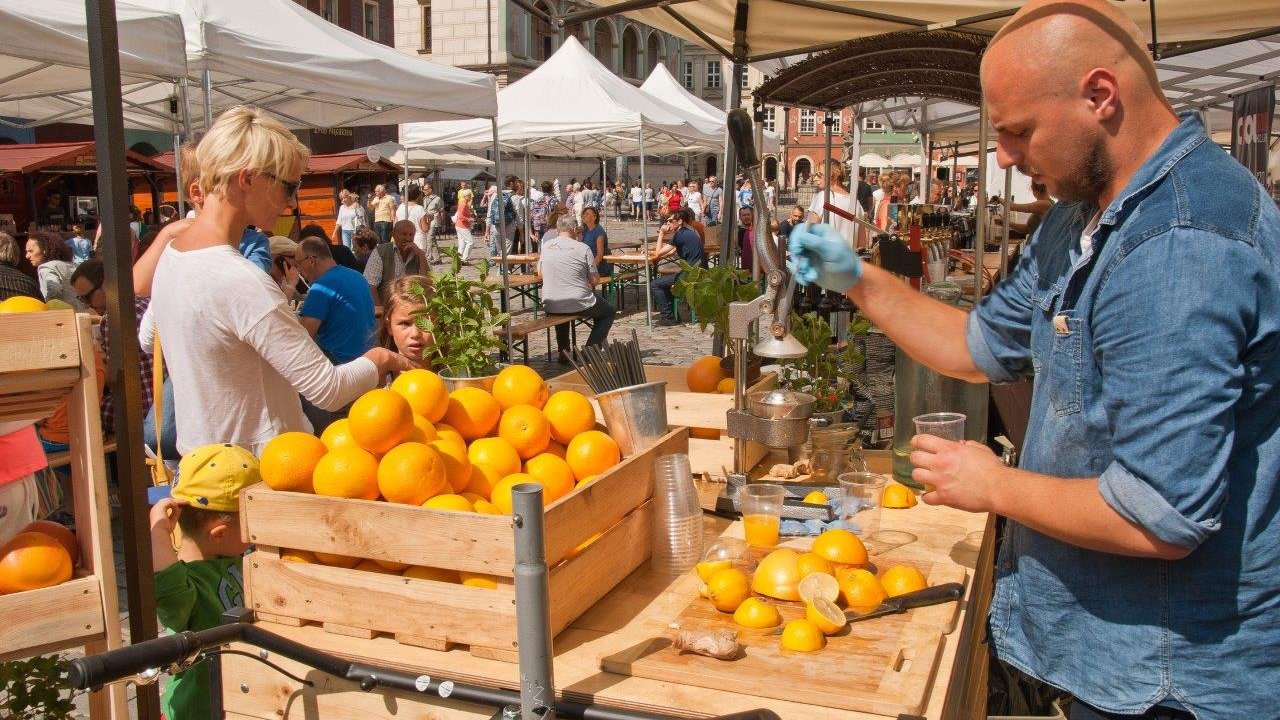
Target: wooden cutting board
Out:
[884,666]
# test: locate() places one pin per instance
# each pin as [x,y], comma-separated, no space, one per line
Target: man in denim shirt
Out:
[1141,569]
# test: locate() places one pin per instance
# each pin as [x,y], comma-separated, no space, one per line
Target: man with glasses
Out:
[338,311]
[678,238]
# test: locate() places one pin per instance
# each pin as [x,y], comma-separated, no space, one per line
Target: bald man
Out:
[395,259]
[1141,567]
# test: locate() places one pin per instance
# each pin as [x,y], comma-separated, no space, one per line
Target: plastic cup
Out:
[860,494]
[946,425]
[761,506]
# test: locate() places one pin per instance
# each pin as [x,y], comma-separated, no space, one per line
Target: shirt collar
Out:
[1186,137]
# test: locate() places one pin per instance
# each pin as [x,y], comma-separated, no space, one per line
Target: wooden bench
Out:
[520,333]
[63,459]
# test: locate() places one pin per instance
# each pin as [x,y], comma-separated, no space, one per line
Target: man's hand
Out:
[819,254]
[164,516]
[961,475]
[388,362]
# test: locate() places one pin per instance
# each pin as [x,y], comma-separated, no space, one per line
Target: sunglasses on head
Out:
[290,188]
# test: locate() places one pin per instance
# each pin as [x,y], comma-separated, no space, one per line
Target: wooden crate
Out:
[617,507]
[48,357]
[709,457]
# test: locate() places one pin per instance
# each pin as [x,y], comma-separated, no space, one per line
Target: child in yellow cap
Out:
[203,578]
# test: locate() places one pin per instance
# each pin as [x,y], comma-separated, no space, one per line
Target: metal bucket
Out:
[484,383]
[635,416]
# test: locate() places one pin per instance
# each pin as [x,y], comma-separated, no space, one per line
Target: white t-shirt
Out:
[694,201]
[848,229]
[415,212]
[636,194]
[236,353]
[350,217]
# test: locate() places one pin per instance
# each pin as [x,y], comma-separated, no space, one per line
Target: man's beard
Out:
[1091,178]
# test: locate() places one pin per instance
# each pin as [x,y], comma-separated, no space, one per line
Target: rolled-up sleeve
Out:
[1171,329]
[286,345]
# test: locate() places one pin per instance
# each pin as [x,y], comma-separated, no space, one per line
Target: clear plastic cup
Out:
[677,516]
[860,494]
[946,425]
[761,506]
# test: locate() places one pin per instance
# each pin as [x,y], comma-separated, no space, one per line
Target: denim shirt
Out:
[1156,372]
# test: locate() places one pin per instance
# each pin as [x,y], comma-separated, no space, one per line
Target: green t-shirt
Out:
[193,596]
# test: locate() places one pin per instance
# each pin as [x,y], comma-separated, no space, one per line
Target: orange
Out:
[425,391]
[897,496]
[592,453]
[448,432]
[472,497]
[334,560]
[422,572]
[526,428]
[61,533]
[453,456]
[392,565]
[21,304]
[811,563]
[473,412]
[380,420]
[479,580]
[859,589]
[902,579]
[586,481]
[840,547]
[423,430]
[704,433]
[483,478]
[496,452]
[33,560]
[298,556]
[288,461]
[802,636]
[519,385]
[411,473]
[555,475]
[448,501]
[725,386]
[347,472]
[727,589]
[501,497]
[337,435]
[374,567]
[704,374]
[569,413]
[778,575]
[555,448]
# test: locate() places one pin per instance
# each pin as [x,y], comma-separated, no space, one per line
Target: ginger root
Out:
[719,644]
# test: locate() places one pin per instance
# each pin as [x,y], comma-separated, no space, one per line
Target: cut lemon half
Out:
[818,585]
[824,613]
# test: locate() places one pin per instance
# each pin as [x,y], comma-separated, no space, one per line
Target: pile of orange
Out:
[41,555]
[462,451]
[705,376]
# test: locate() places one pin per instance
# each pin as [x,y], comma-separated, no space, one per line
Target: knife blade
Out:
[935,595]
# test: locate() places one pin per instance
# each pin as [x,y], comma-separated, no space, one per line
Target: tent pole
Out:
[184,99]
[207,80]
[927,186]
[177,156]
[729,199]
[529,240]
[502,232]
[980,242]
[955,168]
[1004,234]
[122,376]
[644,237]
[827,122]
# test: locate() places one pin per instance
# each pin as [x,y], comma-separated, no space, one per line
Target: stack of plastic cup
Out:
[677,516]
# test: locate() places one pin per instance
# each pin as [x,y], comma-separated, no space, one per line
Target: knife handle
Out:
[945,592]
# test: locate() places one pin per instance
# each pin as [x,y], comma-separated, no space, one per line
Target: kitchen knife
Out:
[945,592]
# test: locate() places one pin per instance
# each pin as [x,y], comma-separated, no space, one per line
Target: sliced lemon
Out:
[707,568]
[818,585]
[826,615]
[817,497]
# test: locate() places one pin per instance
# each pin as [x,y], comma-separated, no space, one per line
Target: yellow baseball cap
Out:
[211,477]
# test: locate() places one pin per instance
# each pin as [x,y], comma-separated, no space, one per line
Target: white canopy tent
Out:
[44,63]
[608,116]
[662,86]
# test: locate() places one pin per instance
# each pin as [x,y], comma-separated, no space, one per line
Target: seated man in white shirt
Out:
[567,268]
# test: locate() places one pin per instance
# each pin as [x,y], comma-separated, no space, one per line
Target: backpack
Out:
[508,211]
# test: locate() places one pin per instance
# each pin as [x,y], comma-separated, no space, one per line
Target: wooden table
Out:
[640,607]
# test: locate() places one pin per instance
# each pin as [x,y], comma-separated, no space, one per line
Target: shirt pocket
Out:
[1058,357]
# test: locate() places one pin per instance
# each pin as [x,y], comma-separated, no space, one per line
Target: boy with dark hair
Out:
[203,577]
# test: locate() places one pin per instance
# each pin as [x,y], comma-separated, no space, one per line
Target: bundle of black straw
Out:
[612,366]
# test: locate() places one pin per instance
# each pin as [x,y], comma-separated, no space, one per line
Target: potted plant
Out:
[824,372]
[462,316]
[708,292]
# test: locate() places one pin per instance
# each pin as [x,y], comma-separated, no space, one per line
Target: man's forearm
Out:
[930,331]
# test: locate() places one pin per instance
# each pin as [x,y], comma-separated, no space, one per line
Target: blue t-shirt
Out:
[689,246]
[81,249]
[589,238]
[255,246]
[340,300]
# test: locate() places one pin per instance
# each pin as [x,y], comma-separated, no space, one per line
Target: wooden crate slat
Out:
[579,582]
[39,341]
[36,621]
[12,383]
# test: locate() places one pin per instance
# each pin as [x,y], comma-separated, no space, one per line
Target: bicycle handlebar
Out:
[97,670]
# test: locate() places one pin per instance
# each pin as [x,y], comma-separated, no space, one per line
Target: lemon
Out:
[22,304]
[817,497]
[898,496]
[818,585]
[824,613]
[728,589]
[707,568]
[757,614]
[802,636]
[449,502]
[811,563]
[902,579]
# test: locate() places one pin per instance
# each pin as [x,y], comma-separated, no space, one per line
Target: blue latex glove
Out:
[821,255]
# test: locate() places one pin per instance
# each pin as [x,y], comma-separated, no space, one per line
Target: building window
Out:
[869,125]
[713,74]
[744,79]
[330,10]
[808,122]
[688,75]
[652,53]
[544,45]
[630,52]
[604,43]
[371,20]
[835,123]
[424,6]
[770,121]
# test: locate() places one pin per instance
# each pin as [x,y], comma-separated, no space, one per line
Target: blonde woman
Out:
[237,355]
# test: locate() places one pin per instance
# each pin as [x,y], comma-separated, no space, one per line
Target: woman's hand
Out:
[388,362]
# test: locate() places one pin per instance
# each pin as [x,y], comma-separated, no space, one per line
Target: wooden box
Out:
[705,411]
[616,507]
